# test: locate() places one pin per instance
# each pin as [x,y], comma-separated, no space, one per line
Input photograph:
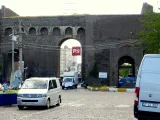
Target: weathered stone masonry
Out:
[104,39]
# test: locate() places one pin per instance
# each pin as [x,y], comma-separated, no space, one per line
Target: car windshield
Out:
[67,80]
[35,84]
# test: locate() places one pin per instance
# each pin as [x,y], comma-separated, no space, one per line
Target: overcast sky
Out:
[65,7]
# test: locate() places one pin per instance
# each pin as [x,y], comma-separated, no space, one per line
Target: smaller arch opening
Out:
[44,31]
[81,31]
[126,71]
[56,31]
[32,31]
[8,31]
[69,31]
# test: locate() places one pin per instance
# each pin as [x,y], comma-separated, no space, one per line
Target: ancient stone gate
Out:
[105,39]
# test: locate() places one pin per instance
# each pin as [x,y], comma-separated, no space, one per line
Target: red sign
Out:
[76,51]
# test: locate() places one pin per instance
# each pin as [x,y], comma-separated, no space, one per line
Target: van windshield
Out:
[67,80]
[35,84]
[151,64]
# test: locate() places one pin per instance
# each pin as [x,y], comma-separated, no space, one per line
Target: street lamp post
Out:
[13,51]
[14,38]
[20,48]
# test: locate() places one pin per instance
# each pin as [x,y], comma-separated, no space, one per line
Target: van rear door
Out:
[149,97]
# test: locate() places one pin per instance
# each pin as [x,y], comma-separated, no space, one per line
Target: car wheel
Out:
[21,107]
[48,104]
[59,101]
[62,87]
[73,87]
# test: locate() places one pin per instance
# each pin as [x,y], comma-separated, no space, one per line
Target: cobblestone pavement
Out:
[79,104]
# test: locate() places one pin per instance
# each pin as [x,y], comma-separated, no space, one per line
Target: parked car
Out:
[147,102]
[39,92]
[69,82]
[124,80]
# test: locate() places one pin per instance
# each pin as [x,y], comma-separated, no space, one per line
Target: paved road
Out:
[79,104]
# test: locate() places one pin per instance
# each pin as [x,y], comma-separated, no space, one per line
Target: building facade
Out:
[67,60]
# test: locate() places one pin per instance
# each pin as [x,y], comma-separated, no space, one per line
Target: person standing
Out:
[5,86]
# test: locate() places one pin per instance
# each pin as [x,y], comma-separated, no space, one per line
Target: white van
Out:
[39,92]
[69,82]
[147,102]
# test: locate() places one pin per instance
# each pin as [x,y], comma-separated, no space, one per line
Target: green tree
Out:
[150,33]
[124,72]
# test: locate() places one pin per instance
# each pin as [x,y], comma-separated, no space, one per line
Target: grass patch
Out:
[9,92]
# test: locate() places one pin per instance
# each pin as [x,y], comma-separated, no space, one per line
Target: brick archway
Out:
[59,52]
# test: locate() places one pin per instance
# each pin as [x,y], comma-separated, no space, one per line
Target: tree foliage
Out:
[124,72]
[150,33]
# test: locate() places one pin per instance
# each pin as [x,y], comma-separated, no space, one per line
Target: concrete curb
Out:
[112,89]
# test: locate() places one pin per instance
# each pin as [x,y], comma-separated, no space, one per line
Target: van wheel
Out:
[21,107]
[59,101]
[48,104]
[73,87]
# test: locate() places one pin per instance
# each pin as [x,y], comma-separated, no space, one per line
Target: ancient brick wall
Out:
[99,36]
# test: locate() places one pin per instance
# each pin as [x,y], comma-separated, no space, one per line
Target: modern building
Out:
[67,60]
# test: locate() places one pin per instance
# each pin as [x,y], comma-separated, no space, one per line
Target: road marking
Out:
[122,106]
[77,105]
[84,118]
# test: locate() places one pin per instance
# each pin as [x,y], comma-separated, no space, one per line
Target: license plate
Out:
[30,103]
[26,103]
[153,105]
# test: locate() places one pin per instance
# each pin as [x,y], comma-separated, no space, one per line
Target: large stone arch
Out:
[58,52]
[134,54]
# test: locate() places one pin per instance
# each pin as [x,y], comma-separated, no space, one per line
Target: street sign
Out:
[76,51]
[14,38]
[102,74]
